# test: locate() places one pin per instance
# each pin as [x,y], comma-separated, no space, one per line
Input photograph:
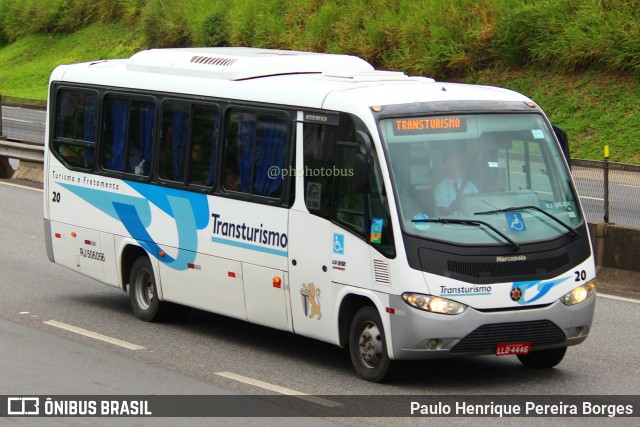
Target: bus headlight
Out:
[579,294]
[433,304]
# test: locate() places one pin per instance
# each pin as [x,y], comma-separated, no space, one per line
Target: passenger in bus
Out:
[232,180]
[198,169]
[231,174]
[137,164]
[73,154]
[452,186]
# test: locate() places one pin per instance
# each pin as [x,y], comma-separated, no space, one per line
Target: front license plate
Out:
[509,348]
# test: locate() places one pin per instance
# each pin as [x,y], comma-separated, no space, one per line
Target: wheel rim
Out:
[370,345]
[143,289]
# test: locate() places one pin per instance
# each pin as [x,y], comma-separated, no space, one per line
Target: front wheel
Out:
[542,359]
[368,346]
[143,292]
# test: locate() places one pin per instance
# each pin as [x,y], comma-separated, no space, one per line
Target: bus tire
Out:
[368,346]
[543,359]
[143,292]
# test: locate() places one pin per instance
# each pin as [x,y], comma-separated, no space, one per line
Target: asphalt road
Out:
[210,354]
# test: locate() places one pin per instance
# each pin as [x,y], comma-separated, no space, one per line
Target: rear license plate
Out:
[509,348]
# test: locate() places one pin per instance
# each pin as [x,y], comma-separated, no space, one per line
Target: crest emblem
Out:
[528,292]
[311,301]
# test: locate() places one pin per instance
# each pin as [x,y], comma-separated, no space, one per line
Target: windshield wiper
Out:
[469,222]
[535,208]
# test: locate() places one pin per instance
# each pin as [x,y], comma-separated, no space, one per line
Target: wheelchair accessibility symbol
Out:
[338,243]
[516,222]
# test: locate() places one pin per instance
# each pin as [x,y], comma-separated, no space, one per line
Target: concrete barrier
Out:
[30,171]
[6,171]
[30,154]
[617,251]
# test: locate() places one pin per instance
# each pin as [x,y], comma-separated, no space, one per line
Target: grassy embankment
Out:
[580,60]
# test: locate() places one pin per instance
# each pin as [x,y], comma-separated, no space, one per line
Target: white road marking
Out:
[21,186]
[17,120]
[619,298]
[592,198]
[93,335]
[278,389]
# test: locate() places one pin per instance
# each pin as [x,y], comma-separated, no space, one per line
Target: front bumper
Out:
[418,334]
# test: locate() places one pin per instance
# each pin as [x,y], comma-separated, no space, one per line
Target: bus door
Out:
[335,223]
[311,231]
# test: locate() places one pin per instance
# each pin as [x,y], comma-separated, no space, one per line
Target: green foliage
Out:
[215,31]
[442,38]
[580,59]
[593,107]
[25,65]
[28,17]
[164,24]
[572,35]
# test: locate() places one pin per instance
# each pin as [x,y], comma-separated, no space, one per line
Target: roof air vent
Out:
[209,60]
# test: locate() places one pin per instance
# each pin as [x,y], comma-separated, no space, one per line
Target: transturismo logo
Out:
[511,258]
[248,233]
[465,290]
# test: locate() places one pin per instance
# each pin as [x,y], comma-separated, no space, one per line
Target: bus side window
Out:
[350,205]
[255,147]
[140,137]
[204,145]
[364,212]
[116,115]
[76,126]
[173,144]
[128,135]
[319,151]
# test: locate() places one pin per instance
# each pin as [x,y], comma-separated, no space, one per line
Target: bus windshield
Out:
[480,179]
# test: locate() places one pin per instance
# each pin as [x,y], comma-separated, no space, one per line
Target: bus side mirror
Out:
[360,182]
[563,138]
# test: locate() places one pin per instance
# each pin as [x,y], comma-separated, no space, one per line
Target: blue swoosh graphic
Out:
[543,288]
[190,212]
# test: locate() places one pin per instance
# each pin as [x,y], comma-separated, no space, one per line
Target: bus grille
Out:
[487,337]
[508,269]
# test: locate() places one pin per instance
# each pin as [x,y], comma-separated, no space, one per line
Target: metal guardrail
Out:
[22,145]
[22,150]
[609,191]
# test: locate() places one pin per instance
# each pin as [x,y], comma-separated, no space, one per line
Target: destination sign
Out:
[428,125]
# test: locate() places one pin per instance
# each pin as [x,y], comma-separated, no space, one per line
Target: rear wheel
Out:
[368,346]
[143,292]
[543,358]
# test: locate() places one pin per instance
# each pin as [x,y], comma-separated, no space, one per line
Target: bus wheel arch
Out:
[129,255]
[362,330]
[348,309]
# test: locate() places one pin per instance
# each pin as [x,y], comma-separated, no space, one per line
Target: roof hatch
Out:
[237,63]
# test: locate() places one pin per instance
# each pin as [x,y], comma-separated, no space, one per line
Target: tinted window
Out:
[75,127]
[255,152]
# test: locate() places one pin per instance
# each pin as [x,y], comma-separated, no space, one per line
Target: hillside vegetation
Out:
[579,59]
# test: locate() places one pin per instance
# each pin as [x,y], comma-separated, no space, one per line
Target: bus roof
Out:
[313,80]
